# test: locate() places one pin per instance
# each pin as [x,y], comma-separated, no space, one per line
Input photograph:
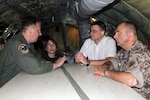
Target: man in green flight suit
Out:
[19,54]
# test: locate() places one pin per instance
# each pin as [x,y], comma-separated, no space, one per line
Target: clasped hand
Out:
[80,58]
[99,72]
[59,62]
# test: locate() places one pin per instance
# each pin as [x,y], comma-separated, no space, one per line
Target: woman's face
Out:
[51,47]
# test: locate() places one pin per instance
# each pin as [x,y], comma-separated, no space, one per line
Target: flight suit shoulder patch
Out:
[23,48]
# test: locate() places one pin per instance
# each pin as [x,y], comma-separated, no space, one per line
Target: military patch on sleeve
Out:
[23,48]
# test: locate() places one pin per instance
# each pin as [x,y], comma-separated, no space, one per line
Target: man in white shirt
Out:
[98,48]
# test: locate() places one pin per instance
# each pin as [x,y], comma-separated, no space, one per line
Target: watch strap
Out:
[88,62]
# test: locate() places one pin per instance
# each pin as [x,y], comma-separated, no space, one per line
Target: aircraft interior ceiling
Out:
[79,13]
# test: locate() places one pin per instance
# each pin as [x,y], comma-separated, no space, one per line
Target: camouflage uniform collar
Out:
[137,45]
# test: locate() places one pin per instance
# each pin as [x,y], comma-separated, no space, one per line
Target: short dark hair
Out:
[100,24]
[131,25]
[27,21]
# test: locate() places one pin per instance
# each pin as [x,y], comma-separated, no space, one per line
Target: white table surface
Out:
[55,85]
[50,86]
[100,88]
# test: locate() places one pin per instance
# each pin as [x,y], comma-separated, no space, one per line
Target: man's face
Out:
[96,33]
[35,32]
[121,35]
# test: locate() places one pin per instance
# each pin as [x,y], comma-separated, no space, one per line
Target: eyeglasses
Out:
[95,31]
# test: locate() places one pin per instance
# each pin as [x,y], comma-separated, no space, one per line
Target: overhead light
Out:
[93,19]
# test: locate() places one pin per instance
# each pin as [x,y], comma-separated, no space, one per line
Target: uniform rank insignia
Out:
[23,48]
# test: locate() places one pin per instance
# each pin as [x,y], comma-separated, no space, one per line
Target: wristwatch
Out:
[88,62]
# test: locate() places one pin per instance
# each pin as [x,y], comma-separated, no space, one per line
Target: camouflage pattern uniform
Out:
[18,56]
[137,62]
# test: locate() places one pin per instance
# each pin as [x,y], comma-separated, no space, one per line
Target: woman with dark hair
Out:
[50,52]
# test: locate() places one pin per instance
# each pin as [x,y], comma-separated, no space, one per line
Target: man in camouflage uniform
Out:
[131,65]
[19,54]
